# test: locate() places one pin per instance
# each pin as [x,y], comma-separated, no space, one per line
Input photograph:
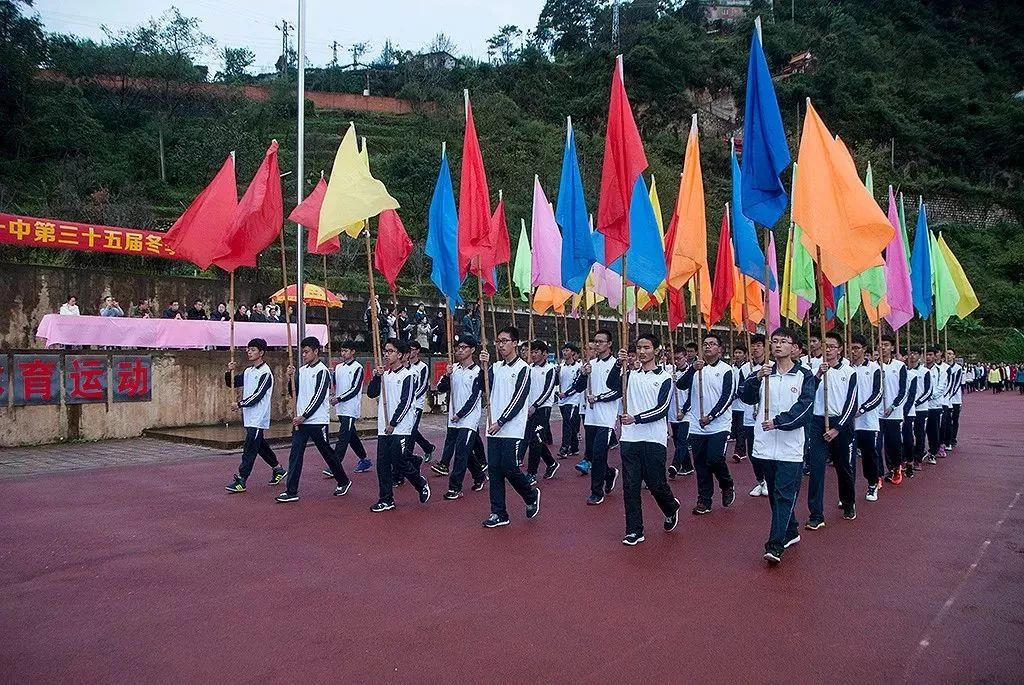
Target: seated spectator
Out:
[197,312]
[142,310]
[70,308]
[111,308]
[257,315]
[242,313]
[221,314]
[174,311]
[273,313]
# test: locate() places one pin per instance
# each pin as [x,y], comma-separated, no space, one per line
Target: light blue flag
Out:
[578,254]
[645,260]
[747,252]
[443,237]
[921,266]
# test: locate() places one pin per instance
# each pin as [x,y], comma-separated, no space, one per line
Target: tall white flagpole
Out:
[300,307]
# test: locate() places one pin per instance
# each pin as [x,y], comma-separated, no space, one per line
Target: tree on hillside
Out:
[236,65]
[21,49]
[505,44]
[567,25]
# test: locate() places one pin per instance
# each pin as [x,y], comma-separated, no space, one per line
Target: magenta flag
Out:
[774,319]
[899,292]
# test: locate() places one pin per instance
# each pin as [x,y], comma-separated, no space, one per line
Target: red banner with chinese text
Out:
[29,231]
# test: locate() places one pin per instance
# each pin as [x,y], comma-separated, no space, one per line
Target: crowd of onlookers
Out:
[416,323]
[997,377]
[146,309]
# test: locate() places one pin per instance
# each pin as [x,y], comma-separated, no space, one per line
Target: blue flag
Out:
[645,260]
[921,266]
[577,248]
[443,237]
[747,252]
[765,153]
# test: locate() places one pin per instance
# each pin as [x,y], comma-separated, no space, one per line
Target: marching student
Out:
[347,403]
[602,412]
[837,441]
[570,400]
[257,384]
[644,438]
[956,398]
[510,386]
[709,382]
[939,384]
[746,434]
[911,442]
[421,377]
[539,403]
[394,387]
[865,419]
[464,383]
[894,397]
[813,358]
[679,423]
[312,384]
[740,451]
[787,388]
[945,401]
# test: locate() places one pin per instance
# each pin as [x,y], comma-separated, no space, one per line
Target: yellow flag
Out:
[353,194]
[968,300]
[789,304]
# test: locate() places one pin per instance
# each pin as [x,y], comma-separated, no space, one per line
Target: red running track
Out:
[155,574]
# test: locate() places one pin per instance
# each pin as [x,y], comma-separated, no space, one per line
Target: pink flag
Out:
[774,317]
[802,307]
[899,292]
[607,284]
[546,262]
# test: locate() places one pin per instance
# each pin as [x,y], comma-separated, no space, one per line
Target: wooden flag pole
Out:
[586,335]
[557,334]
[287,319]
[530,323]
[675,390]
[483,339]
[746,312]
[449,329]
[511,295]
[624,332]
[881,365]
[700,342]
[374,322]
[821,322]
[494,323]
[233,392]
[846,318]
[768,356]
[327,314]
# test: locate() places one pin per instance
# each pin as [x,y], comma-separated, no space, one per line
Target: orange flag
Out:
[834,209]
[688,252]
[755,301]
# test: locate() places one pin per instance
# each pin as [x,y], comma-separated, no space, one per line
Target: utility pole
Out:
[284,27]
[334,52]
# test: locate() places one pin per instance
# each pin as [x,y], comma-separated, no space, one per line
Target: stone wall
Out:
[188,390]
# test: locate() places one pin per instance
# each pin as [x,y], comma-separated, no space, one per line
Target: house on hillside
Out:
[441,61]
[725,10]
[800,63]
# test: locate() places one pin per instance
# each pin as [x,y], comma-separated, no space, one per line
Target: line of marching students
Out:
[789,413]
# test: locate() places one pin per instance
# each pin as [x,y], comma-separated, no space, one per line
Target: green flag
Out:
[802,267]
[947,297]
[521,272]
[871,281]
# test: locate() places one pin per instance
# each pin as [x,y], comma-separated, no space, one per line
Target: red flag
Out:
[475,248]
[199,234]
[624,160]
[307,214]
[676,305]
[258,218]
[499,234]
[393,246]
[724,287]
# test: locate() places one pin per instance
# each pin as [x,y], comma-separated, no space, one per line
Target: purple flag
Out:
[899,292]
[774,317]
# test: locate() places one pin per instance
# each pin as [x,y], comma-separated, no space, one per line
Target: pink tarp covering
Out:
[104,331]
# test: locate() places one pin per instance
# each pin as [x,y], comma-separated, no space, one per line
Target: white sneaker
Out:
[759,490]
[872,494]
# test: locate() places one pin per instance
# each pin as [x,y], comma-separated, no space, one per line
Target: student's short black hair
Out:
[691,346]
[717,338]
[312,343]
[415,345]
[950,349]
[889,338]
[757,338]
[740,348]
[935,349]
[347,344]
[786,332]
[572,347]
[858,339]
[631,348]
[469,341]
[510,331]
[259,343]
[832,335]
[651,338]
[400,346]
[538,345]
[604,331]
